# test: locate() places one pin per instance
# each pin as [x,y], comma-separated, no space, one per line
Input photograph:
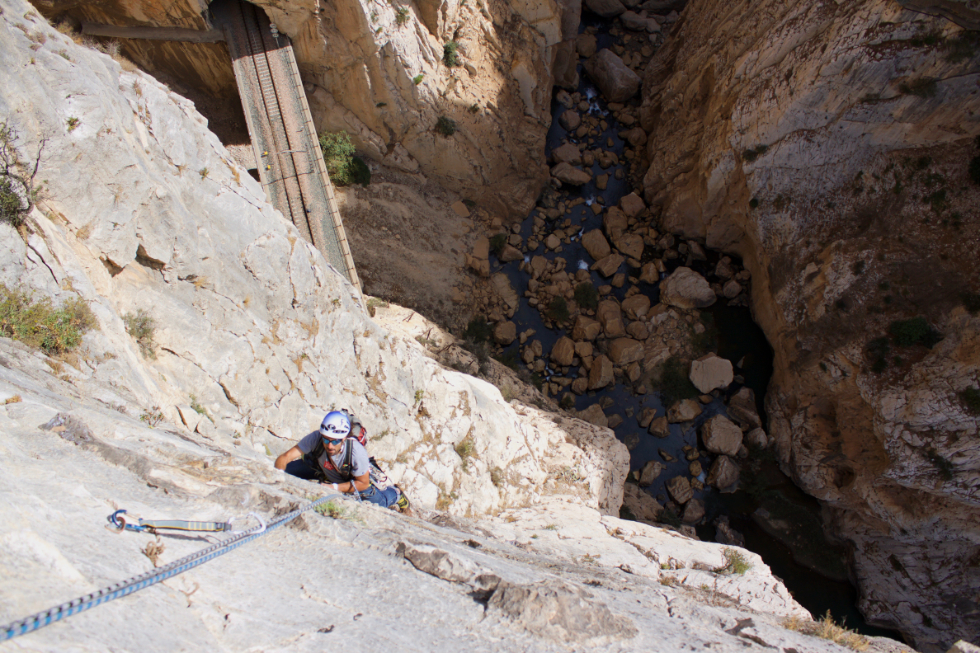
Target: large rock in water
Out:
[680,489]
[624,351]
[685,288]
[569,174]
[711,372]
[601,373]
[606,8]
[596,244]
[683,411]
[720,435]
[563,351]
[614,78]
[723,473]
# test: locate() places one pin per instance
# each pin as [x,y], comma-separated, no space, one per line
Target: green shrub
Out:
[343,167]
[735,563]
[12,209]
[497,243]
[971,400]
[41,325]
[418,79]
[674,382]
[446,126]
[914,331]
[924,87]
[450,56]
[141,325]
[974,170]
[557,310]
[478,330]
[586,296]
[401,17]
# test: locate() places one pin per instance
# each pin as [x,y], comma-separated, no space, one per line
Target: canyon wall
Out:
[377,70]
[828,144]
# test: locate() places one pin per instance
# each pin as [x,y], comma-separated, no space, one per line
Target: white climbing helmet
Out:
[335,425]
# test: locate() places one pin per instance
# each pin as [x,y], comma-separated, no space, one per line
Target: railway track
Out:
[287,151]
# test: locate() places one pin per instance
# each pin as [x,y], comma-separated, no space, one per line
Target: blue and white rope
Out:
[136,583]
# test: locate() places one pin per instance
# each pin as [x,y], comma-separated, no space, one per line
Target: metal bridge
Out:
[284,141]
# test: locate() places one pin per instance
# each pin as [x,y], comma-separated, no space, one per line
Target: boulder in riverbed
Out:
[563,351]
[721,435]
[650,473]
[742,409]
[623,351]
[679,489]
[660,427]
[711,372]
[643,507]
[723,473]
[606,9]
[505,333]
[569,174]
[567,153]
[601,373]
[683,411]
[586,328]
[613,77]
[685,288]
[596,244]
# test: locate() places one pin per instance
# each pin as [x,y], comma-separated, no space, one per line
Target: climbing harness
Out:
[136,583]
[118,524]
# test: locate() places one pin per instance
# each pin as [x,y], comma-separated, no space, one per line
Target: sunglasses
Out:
[333,442]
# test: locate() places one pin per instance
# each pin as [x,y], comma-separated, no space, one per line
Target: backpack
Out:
[357,431]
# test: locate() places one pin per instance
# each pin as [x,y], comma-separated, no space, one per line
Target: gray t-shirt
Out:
[359,462]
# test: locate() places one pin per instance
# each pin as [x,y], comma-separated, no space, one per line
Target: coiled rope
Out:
[136,583]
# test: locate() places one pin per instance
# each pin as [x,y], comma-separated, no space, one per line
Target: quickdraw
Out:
[118,524]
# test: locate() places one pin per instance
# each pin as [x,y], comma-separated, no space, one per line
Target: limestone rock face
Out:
[711,372]
[614,78]
[721,436]
[739,178]
[685,288]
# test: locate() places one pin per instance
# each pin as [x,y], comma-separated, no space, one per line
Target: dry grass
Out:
[826,628]
[16,399]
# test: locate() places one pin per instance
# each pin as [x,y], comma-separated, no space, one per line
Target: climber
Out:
[335,456]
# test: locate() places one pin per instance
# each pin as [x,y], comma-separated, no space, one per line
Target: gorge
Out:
[824,146]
